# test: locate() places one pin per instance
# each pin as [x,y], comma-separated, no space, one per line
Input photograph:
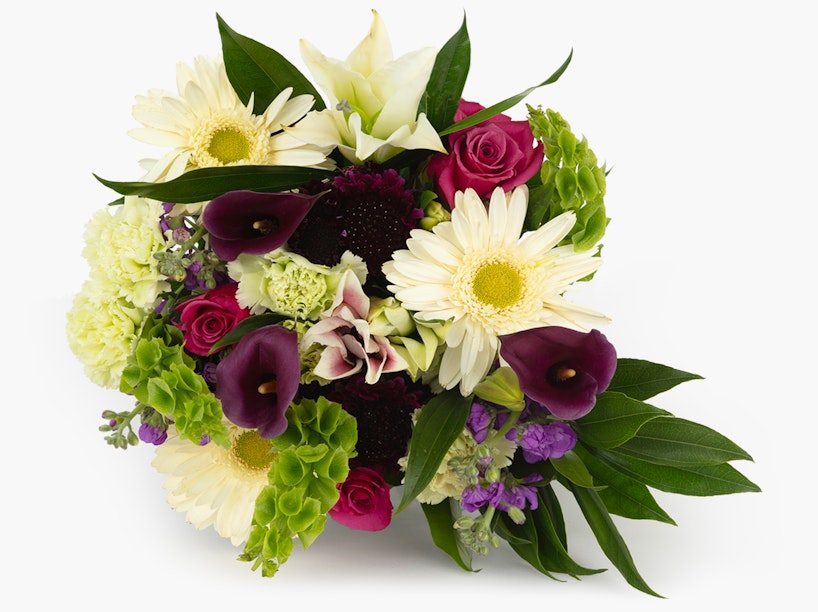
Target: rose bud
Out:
[364,503]
[206,318]
[257,381]
[562,369]
[252,222]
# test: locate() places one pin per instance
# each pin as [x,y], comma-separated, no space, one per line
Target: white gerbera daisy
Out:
[207,125]
[480,273]
[213,485]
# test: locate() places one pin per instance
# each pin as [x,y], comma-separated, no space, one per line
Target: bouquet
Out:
[321,303]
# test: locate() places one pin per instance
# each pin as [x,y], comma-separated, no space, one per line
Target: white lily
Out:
[373,100]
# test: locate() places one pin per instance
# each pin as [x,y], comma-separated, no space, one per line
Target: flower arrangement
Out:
[316,302]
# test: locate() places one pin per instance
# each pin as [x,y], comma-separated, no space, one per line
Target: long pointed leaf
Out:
[609,538]
[551,544]
[642,379]
[701,481]
[679,442]
[615,419]
[491,111]
[524,541]
[439,424]
[623,495]
[205,184]
[441,518]
[448,78]
[254,69]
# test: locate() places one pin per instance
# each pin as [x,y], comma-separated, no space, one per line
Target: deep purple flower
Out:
[368,210]
[251,222]
[151,434]
[561,368]
[544,441]
[383,411]
[257,381]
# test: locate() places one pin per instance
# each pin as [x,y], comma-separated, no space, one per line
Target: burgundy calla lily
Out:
[257,381]
[562,369]
[252,222]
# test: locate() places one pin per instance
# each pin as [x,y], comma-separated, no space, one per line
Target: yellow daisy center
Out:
[229,146]
[495,288]
[497,284]
[219,141]
[252,451]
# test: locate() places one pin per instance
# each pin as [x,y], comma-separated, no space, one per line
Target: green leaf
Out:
[254,69]
[439,424]
[642,379]
[571,467]
[524,541]
[441,518]
[702,481]
[551,544]
[674,441]
[491,111]
[614,420]
[622,494]
[245,326]
[609,538]
[445,85]
[204,184]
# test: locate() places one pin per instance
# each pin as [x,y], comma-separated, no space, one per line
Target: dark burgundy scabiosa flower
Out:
[257,381]
[251,222]
[562,369]
[383,411]
[368,211]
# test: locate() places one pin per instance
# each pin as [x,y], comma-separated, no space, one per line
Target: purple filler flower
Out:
[544,441]
[251,222]
[257,381]
[561,368]
[151,434]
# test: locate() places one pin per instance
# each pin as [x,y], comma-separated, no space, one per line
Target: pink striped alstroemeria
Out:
[349,344]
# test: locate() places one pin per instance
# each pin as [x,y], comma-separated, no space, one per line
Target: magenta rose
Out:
[205,319]
[498,152]
[364,503]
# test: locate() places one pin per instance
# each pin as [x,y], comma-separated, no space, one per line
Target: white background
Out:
[704,111]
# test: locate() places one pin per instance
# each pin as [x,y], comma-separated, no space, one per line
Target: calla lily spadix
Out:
[373,100]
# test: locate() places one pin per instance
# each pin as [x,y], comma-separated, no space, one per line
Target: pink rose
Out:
[364,503]
[498,152]
[205,319]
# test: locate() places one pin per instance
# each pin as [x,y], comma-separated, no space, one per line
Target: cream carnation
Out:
[120,249]
[101,331]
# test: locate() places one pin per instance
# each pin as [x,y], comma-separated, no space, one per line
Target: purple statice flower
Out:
[253,222]
[545,441]
[520,496]
[151,434]
[259,378]
[474,498]
[561,368]
[479,422]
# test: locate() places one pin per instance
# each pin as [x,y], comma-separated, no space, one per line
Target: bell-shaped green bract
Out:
[570,179]
[161,375]
[313,457]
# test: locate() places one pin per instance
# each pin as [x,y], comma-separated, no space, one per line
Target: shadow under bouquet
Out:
[315,299]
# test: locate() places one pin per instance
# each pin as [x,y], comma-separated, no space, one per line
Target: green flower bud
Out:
[501,387]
